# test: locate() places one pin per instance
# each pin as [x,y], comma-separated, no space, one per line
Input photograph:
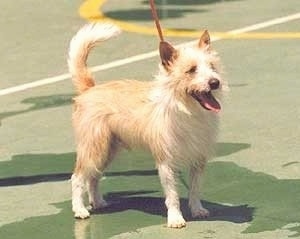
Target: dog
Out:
[175,117]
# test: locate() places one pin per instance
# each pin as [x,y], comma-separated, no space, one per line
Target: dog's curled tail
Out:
[80,46]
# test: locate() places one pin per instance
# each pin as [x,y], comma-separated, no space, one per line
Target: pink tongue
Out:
[212,107]
[210,102]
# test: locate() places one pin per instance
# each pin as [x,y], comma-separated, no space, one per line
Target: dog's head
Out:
[194,72]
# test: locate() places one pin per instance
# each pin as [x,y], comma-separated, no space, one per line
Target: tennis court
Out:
[251,187]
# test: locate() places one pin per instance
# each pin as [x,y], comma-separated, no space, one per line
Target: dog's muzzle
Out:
[206,98]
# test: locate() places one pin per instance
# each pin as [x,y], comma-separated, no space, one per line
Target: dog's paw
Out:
[99,204]
[200,212]
[175,219]
[82,213]
[176,222]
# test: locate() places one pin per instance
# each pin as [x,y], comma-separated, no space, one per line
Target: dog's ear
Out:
[167,54]
[204,42]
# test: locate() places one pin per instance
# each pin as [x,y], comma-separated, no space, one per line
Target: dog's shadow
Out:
[133,200]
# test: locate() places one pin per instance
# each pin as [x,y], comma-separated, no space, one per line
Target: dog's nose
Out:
[214,83]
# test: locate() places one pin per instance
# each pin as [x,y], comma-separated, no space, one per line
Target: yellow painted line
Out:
[91,10]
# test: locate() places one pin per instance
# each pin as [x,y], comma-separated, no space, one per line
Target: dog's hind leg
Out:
[195,204]
[168,181]
[78,190]
[96,199]
[92,156]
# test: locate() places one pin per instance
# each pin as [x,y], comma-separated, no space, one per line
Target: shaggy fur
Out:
[175,117]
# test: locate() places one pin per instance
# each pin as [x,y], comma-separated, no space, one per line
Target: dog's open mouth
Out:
[207,100]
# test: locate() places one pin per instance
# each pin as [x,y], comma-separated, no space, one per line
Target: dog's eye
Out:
[213,67]
[192,70]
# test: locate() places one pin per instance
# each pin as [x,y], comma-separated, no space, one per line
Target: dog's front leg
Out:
[167,178]
[195,204]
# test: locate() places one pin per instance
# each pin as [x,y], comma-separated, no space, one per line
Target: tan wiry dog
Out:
[174,117]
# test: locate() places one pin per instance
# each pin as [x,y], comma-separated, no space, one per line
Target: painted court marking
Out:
[144,56]
[91,10]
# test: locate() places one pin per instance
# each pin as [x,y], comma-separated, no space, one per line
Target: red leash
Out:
[156,20]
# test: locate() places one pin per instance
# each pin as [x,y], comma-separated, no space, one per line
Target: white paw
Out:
[175,219]
[82,213]
[200,212]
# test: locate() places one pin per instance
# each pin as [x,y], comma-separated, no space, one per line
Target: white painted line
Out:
[34,84]
[141,57]
[266,24]
[124,61]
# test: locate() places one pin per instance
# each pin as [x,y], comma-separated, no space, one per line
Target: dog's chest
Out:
[195,135]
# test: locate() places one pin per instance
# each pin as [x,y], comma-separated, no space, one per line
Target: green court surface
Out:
[251,187]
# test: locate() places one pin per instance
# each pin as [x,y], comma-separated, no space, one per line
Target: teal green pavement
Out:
[234,195]
[251,187]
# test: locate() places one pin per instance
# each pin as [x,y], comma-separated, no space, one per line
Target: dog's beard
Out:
[207,100]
